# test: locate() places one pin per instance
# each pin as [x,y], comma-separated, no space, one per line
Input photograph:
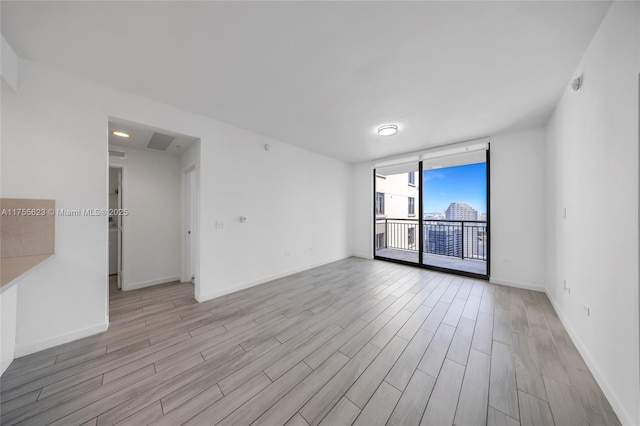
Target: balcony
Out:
[451,244]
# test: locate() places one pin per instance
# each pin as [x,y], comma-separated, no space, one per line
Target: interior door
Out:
[120,218]
[192,231]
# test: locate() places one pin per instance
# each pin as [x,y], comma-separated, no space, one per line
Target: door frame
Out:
[121,221]
[189,227]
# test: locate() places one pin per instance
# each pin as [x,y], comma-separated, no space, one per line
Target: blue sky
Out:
[463,184]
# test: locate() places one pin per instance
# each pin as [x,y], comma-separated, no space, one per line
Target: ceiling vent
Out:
[117,154]
[160,142]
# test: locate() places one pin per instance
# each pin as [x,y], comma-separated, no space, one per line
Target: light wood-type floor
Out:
[353,342]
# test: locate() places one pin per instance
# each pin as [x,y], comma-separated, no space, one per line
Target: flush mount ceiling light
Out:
[388,130]
[121,134]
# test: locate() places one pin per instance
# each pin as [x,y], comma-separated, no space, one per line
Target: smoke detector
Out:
[576,84]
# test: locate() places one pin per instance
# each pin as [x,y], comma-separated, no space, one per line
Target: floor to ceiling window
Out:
[434,212]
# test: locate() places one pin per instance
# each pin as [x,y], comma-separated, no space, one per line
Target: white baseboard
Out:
[624,417]
[363,256]
[22,350]
[525,286]
[143,284]
[229,290]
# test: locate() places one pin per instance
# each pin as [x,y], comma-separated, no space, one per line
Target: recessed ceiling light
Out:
[121,134]
[388,130]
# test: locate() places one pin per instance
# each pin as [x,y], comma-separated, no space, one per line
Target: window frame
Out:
[379,203]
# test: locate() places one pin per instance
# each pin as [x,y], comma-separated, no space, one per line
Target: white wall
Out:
[151,238]
[8,295]
[8,305]
[298,206]
[518,209]
[592,165]
[362,222]
[55,146]
[638,198]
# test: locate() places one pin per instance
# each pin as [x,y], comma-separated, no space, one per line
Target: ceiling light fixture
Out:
[388,130]
[121,134]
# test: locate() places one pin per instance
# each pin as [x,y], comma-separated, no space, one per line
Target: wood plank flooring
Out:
[353,342]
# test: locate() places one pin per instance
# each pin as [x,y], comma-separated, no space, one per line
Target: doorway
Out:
[158,169]
[115,226]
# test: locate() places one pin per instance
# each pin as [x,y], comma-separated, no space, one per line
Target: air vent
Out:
[160,142]
[118,154]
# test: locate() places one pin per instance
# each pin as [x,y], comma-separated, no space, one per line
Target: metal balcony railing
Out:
[465,239]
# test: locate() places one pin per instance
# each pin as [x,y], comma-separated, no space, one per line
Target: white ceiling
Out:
[140,135]
[324,75]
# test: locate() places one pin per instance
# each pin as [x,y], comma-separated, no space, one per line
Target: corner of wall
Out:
[8,318]
[517,196]
[517,284]
[626,418]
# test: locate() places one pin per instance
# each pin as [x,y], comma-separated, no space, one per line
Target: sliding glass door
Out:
[397,193]
[435,212]
[454,197]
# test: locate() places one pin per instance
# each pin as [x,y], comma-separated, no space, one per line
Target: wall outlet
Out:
[565,288]
[219,225]
[587,310]
[287,253]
